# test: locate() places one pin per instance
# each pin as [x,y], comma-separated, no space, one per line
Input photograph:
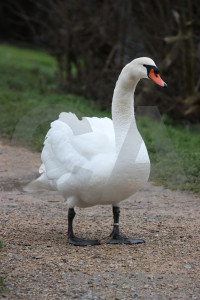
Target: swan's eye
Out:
[152,69]
[156,71]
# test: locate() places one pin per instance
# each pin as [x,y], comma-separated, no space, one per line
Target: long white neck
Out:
[123,106]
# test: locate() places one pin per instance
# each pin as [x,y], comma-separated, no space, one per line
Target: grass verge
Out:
[174,153]
[30,100]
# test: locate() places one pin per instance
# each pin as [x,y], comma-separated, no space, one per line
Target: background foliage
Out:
[92,40]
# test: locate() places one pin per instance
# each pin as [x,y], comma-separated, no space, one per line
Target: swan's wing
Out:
[71,143]
[100,139]
[104,125]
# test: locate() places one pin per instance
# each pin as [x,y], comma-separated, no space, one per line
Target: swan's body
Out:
[98,161]
[84,168]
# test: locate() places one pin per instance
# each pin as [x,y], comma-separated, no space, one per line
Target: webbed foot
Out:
[119,239]
[115,236]
[80,242]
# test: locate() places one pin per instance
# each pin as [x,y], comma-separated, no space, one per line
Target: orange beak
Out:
[156,78]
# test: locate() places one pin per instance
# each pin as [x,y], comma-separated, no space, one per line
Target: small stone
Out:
[95,256]
[147,270]
[146,286]
[187,266]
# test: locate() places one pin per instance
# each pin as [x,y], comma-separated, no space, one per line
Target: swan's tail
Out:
[40,184]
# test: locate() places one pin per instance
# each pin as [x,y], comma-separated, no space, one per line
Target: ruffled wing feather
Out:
[71,143]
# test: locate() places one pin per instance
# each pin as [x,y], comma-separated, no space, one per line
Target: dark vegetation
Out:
[93,40]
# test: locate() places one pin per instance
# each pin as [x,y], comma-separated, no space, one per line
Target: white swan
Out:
[98,160]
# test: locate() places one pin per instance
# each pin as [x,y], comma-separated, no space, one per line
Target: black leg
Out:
[115,237]
[72,239]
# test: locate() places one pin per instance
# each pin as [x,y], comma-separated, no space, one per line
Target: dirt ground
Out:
[38,263]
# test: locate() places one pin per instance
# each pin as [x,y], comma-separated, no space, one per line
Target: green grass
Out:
[30,99]
[29,96]
[174,153]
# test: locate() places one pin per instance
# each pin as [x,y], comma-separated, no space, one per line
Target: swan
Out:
[98,161]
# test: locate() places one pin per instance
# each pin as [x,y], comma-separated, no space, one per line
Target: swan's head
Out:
[145,67]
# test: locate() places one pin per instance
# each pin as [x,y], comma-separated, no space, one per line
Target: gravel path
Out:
[38,263]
